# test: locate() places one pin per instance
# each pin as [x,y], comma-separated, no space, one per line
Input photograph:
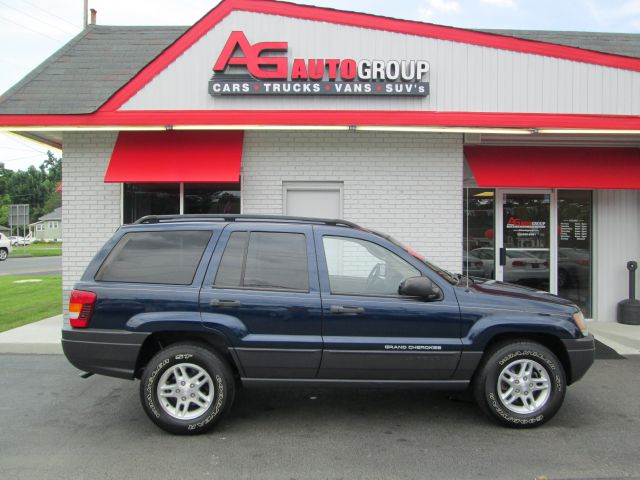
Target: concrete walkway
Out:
[38,337]
[624,339]
[44,337]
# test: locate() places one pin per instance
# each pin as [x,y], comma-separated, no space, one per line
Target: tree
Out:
[35,186]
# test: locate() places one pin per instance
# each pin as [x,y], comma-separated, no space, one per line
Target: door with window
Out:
[524,240]
[264,282]
[543,236]
[371,332]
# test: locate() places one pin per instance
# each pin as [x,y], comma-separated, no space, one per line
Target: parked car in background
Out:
[573,267]
[195,306]
[17,241]
[5,247]
[521,267]
[472,266]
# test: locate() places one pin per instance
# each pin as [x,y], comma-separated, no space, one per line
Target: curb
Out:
[41,337]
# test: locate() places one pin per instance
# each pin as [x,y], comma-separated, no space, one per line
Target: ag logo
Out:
[264,68]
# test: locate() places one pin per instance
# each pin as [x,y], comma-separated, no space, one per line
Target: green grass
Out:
[39,250]
[22,303]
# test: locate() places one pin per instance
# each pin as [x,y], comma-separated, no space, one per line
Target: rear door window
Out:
[232,262]
[168,257]
[265,260]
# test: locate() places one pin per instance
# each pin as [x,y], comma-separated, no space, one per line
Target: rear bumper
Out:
[582,353]
[106,352]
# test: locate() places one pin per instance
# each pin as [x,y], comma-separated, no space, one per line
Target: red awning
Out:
[176,156]
[555,167]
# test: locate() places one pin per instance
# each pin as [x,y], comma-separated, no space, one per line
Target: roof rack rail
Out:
[151,219]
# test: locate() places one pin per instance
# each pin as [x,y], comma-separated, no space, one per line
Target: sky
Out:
[32,30]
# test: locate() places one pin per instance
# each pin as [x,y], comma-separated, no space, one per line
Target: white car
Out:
[20,241]
[522,267]
[5,247]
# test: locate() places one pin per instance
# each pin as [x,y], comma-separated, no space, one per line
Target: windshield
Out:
[448,276]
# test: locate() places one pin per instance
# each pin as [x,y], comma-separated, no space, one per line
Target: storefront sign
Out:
[574,230]
[264,74]
[525,228]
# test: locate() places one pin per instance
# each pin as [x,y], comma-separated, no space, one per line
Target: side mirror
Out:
[420,287]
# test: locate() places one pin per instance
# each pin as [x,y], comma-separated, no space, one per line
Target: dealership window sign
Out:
[264,69]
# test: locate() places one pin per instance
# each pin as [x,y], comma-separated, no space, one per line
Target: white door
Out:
[312,199]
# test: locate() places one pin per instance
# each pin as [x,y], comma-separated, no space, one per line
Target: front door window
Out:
[359,267]
[526,244]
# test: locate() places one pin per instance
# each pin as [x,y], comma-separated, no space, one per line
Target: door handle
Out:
[503,257]
[341,310]
[216,303]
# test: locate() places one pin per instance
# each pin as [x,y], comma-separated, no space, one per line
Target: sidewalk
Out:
[44,337]
[35,338]
[624,339]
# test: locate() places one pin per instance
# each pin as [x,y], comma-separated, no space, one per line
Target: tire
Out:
[4,254]
[213,387]
[502,372]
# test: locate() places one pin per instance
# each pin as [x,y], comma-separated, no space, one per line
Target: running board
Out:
[321,382]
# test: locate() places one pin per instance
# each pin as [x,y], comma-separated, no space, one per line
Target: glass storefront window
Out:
[211,198]
[142,199]
[478,232]
[575,256]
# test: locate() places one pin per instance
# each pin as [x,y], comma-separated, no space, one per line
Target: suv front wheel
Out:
[520,384]
[186,389]
[4,253]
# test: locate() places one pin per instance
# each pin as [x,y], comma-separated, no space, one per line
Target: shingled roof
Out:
[55,215]
[83,74]
[627,44]
[86,72]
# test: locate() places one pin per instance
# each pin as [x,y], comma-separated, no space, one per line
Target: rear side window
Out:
[170,257]
[265,260]
[230,269]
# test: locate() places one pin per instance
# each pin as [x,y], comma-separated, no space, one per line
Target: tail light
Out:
[81,305]
[518,263]
[546,264]
[477,264]
[584,263]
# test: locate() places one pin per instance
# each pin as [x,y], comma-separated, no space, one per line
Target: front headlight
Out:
[578,317]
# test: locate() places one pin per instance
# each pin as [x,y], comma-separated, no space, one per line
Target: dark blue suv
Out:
[196,306]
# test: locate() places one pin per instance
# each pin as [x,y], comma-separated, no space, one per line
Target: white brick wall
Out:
[408,185]
[405,184]
[90,207]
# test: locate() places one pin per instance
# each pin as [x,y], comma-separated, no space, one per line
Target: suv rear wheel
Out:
[520,384]
[186,389]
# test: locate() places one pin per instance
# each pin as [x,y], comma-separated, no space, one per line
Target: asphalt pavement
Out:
[56,425]
[31,266]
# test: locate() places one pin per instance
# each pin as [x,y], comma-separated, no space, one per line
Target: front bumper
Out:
[107,352]
[582,353]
